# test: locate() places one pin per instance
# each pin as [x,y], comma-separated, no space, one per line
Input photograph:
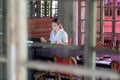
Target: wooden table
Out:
[37,53]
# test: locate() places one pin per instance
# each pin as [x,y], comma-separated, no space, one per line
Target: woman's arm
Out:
[64,38]
[43,40]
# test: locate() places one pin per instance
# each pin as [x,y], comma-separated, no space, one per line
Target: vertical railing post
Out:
[114,16]
[21,40]
[16,37]
[79,23]
[90,35]
[101,20]
[11,40]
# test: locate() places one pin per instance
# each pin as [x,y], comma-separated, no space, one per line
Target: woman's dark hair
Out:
[56,20]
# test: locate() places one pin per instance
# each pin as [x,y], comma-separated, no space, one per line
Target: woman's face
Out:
[55,26]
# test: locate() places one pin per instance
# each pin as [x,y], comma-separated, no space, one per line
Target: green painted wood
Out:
[1,26]
[90,35]
[28,8]
[2,65]
[66,13]
[101,20]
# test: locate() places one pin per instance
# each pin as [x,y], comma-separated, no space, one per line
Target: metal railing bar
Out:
[77,70]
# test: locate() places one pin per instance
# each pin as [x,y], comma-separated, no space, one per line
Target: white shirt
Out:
[61,35]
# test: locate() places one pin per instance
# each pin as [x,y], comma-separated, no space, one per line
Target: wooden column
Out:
[38,8]
[79,23]
[16,39]
[101,20]
[31,9]
[50,8]
[2,42]
[1,27]
[66,13]
[114,15]
[90,35]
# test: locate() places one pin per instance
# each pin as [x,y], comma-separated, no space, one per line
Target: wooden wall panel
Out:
[39,27]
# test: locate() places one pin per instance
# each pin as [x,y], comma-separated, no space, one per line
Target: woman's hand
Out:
[43,39]
[58,42]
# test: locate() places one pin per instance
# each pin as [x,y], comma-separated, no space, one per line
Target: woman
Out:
[57,35]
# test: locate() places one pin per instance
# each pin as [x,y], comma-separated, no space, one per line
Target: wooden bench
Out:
[108,45]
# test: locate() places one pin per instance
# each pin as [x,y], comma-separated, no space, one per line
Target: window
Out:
[44,8]
[108,19]
[109,4]
[108,8]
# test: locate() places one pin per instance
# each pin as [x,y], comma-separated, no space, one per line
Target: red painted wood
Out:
[39,27]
